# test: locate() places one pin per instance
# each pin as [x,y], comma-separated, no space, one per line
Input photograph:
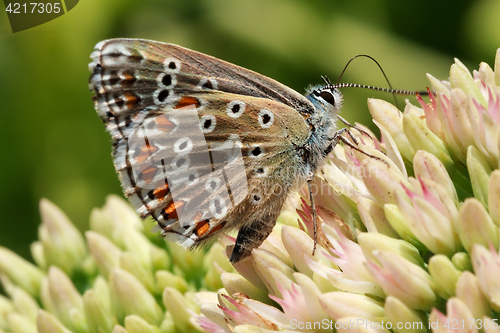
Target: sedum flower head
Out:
[408,241]
[409,237]
[118,277]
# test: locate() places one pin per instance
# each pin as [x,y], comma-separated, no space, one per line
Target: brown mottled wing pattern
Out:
[201,145]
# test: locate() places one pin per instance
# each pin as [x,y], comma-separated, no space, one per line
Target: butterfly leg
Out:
[313,209]
[252,236]
[338,137]
[348,124]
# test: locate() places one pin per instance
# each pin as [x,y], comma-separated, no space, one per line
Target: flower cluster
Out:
[118,278]
[408,241]
[409,229]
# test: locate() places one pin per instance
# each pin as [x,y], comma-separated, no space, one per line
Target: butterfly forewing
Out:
[201,145]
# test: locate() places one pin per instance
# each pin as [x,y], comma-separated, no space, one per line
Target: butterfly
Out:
[204,146]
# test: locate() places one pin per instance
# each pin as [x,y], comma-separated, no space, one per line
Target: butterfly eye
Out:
[327,96]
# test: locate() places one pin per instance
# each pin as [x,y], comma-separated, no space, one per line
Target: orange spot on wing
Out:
[187,101]
[197,217]
[216,228]
[146,151]
[142,157]
[130,99]
[163,124]
[201,228]
[128,79]
[148,174]
[160,192]
[173,209]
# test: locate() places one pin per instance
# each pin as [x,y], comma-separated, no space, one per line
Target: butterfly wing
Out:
[151,68]
[201,145]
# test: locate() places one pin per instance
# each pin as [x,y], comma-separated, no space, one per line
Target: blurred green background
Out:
[53,145]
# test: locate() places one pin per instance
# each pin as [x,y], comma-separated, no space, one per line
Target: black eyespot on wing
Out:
[266,118]
[208,85]
[166,80]
[256,151]
[236,108]
[180,162]
[218,208]
[162,96]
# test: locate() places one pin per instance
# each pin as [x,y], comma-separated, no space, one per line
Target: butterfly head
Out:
[326,98]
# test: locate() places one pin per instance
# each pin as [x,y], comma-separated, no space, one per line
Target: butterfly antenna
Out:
[389,90]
